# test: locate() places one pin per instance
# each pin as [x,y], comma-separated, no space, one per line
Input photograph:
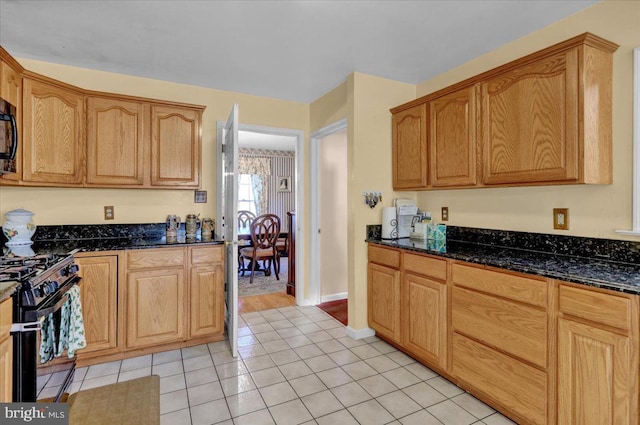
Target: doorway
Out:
[281,150]
[329,212]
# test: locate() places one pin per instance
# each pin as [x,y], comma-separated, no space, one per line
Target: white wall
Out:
[333,214]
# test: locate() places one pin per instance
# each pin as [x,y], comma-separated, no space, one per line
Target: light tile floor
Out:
[296,365]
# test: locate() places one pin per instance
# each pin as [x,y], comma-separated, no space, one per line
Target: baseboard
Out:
[334,297]
[360,333]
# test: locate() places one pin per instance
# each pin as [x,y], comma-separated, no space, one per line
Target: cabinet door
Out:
[99,295]
[207,301]
[175,146]
[595,382]
[116,142]
[6,371]
[384,301]
[6,352]
[155,307]
[11,91]
[424,320]
[530,122]
[452,139]
[410,148]
[10,84]
[52,134]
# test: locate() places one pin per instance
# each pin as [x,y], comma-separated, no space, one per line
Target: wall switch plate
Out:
[561,218]
[200,196]
[445,214]
[109,213]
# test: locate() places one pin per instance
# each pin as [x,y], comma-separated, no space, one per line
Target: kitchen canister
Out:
[207,227]
[389,223]
[191,226]
[19,227]
[173,224]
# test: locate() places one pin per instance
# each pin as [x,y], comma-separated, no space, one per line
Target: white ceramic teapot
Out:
[19,227]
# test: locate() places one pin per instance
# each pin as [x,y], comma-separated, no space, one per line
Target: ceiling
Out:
[292,50]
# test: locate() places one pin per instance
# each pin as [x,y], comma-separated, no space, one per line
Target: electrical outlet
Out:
[445,214]
[109,213]
[561,218]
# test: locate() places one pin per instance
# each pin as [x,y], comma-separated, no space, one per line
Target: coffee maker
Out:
[406,211]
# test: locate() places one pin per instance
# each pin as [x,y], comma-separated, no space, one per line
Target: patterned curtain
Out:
[260,170]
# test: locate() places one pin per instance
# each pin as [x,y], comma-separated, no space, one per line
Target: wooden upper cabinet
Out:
[10,84]
[542,119]
[175,146]
[11,91]
[410,148]
[530,122]
[452,138]
[117,139]
[52,136]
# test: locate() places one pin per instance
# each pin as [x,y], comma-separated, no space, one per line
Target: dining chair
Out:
[245,218]
[265,230]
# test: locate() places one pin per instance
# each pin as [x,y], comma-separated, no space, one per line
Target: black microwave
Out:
[8,137]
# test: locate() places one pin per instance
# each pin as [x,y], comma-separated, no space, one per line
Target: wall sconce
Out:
[372,198]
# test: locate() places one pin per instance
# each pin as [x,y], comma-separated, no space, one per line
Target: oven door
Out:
[26,347]
[8,137]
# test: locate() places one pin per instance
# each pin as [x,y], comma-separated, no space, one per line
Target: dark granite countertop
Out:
[114,244]
[65,246]
[617,276]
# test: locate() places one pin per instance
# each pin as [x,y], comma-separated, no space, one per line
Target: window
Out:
[246,199]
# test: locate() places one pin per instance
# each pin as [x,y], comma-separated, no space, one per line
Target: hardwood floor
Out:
[264,302]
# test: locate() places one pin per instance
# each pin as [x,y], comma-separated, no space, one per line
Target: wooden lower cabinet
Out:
[156,305]
[501,379]
[538,350]
[593,375]
[424,318]
[384,301]
[99,296]
[598,368]
[207,291]
[6,352]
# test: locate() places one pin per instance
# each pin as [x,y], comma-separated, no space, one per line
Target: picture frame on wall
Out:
[284,184]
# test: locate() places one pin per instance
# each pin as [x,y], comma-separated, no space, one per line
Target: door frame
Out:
[299,203]
[315,137]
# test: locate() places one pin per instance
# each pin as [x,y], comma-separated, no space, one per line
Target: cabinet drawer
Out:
[385,256]
[207,255]
[6,308]
[518,387]
[611,310]
[427,266]
[512,327]
[519,288]
[152,258]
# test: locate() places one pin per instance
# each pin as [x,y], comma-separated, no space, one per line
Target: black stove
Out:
[42,284]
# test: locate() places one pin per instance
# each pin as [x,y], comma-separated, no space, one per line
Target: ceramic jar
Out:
[19,227]
[207,227]
[191,226]
[173,224]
